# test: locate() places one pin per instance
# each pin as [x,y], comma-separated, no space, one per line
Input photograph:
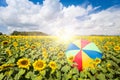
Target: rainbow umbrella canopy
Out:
[84,52]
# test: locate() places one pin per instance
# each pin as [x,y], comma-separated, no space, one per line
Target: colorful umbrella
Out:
[84,53]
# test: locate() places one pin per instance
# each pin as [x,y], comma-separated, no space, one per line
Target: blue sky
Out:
[3,3]
[80,16]
[104,4]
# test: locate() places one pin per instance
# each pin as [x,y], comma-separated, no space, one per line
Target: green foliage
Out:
[1,33]
[28,33]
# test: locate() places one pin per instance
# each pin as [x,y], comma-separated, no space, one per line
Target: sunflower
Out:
[94,64]
[108,43]
[71,58]
[22,48]
[117,48]
[97,61]
[61,54]
[4,43]
[1,68]
[52,65]
[44,54]
[8,52]
[106,47]
[33,47]
[15,44]
[108,65]
[27,45]
[6,66]
[39,65]
[44,50]
[23,63]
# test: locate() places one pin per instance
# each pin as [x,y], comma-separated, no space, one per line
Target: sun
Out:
[65,34]
[64,37]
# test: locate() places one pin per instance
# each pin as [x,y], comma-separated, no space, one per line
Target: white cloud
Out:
[52,17]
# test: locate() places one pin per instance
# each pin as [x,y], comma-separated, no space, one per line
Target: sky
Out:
[57,17]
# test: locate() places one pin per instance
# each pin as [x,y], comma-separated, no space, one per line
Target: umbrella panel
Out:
[93,54]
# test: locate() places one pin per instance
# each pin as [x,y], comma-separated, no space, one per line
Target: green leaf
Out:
[90,76]
[109,76]
[69,76]
[11,60]
[111,71]
[16,55]
[65,68]
[117,72]
[82,74]
[20,73]
[115,59]
[62,62]
[28,75]
[64,76]
[37,78]
[43,72]
[21,54]
[104,70]
[74,71]
[74,77]
[1,76]
[93,71]
[58,74]
[59,66]
[10,73]
[101,76]
[54,58]
[114,64]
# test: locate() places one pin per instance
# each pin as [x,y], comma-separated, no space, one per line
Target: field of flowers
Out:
[43,58]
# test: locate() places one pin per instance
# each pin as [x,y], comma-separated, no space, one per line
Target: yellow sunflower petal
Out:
[39,65]
[23,63]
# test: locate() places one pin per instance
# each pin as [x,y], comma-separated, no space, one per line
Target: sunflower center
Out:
[97,60]
[53,65]
[60,54]
[40,64]
[24,62]
[71,58]
[116,47]
[5,43]
[33,47]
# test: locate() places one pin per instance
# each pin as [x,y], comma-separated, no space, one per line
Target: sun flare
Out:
[65,34]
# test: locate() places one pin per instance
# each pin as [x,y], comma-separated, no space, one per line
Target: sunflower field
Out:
[43,58]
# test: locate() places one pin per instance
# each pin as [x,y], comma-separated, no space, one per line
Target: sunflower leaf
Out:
[43,72]
[58,74]
[93,71]
[65,68]
[101,76]
[20,73]
[110,76]
[69,76]
[28,75]
[1,76]
[75,71]
[82,74]
[90,76]
[10,73]
[11,60]
[37,78]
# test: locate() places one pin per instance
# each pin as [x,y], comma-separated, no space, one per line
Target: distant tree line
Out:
[29,33]
[1,33]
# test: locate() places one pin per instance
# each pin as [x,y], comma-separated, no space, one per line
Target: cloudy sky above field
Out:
[83,17]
